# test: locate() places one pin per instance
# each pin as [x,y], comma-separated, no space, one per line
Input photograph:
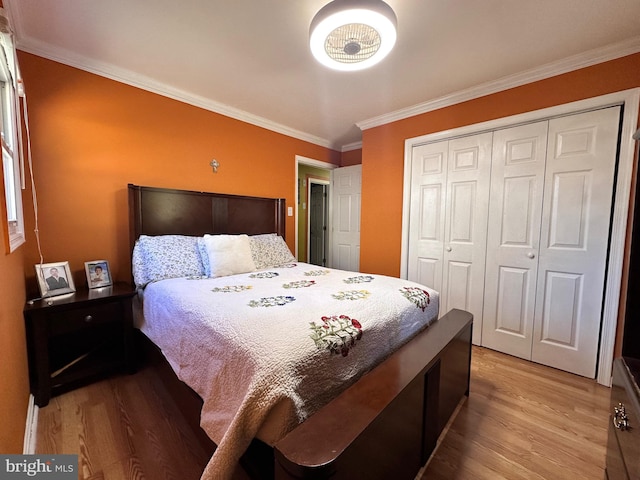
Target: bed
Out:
[351,396]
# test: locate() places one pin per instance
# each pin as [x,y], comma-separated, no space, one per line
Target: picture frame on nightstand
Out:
[98,273]
[54,279]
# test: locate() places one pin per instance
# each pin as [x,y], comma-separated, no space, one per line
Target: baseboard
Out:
[31,428]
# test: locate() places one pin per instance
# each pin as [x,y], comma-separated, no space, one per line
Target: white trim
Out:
[31,428]
[631,101]
[315,163]
[149,84]
[575,62]
[351,146]
[299,159]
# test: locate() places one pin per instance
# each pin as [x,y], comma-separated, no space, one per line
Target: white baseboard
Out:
[31,428]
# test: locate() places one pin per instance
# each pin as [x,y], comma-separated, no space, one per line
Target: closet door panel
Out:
[512,301]
[579,181]
[561,306]
[571,194]
[466,206]
[429,272]
[513,236]
[462,199]
[426,223]
[459,281]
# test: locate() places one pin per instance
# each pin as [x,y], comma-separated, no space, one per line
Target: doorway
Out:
[317,221]
[308,172]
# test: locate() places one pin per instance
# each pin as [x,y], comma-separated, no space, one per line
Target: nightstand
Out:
[76,338]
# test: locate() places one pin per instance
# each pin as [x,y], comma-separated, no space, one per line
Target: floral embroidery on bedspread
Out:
[337,333]
[264,275]
[351,295]
[416,295]
[299,284]
[279,301]
[232,288]
[316,273]
[359,279]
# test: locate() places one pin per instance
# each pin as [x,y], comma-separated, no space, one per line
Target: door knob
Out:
[531,255]
[448,249]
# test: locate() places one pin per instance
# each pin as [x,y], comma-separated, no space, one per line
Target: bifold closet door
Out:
[426,221]
[448,221]
[515,210]
[574,240]
[547,240]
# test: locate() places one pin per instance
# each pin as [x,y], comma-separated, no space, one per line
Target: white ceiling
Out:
[249,59]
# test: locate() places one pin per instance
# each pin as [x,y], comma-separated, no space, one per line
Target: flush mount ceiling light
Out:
[352,34]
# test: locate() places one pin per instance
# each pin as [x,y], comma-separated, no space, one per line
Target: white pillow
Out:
[229,254]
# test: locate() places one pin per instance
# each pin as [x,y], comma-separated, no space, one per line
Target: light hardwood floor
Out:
[521,421]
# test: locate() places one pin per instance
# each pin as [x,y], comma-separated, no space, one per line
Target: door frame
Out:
[327,204]
[630,100]
[299,159]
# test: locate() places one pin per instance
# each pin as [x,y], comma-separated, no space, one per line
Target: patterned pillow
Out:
[270,250]
[166,256]
[137,266]
[204,256]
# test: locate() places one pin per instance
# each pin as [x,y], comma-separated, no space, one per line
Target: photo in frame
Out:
[98,273]
[54,279]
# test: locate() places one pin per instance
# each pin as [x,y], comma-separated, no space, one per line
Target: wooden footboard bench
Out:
[387,424]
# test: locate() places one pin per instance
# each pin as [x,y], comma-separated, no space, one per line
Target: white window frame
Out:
[11,165]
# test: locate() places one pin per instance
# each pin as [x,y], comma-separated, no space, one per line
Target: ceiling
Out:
[249,59]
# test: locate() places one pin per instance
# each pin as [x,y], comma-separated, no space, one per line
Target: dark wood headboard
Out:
[164,211]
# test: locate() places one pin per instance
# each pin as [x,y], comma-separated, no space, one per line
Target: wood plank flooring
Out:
[521,421]
[524,421]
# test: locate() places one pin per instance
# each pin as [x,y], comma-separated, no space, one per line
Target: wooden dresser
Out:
[623,444]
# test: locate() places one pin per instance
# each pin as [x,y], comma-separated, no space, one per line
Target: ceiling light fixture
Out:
[352,34]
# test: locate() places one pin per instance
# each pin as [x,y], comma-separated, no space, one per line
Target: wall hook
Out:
[214,164]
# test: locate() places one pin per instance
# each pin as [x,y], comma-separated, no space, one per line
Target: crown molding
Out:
[351,146]
[146,83]
[575,62]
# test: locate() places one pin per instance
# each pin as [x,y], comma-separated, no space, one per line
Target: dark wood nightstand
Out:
[76,338]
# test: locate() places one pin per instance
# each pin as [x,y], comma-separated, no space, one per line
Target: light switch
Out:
[290,211]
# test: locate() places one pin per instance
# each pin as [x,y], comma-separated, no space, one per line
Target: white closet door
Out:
[426,224]
[465,236]
[448,221]
[576,215]
[515,209]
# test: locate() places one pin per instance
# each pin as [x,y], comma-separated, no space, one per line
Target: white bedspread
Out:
[265,350]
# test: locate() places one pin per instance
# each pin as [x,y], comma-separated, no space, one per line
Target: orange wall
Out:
[91,136]
[351,157]
[14,386]
[383,146]
[14,391]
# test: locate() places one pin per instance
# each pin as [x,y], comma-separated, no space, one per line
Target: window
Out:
[10,148]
